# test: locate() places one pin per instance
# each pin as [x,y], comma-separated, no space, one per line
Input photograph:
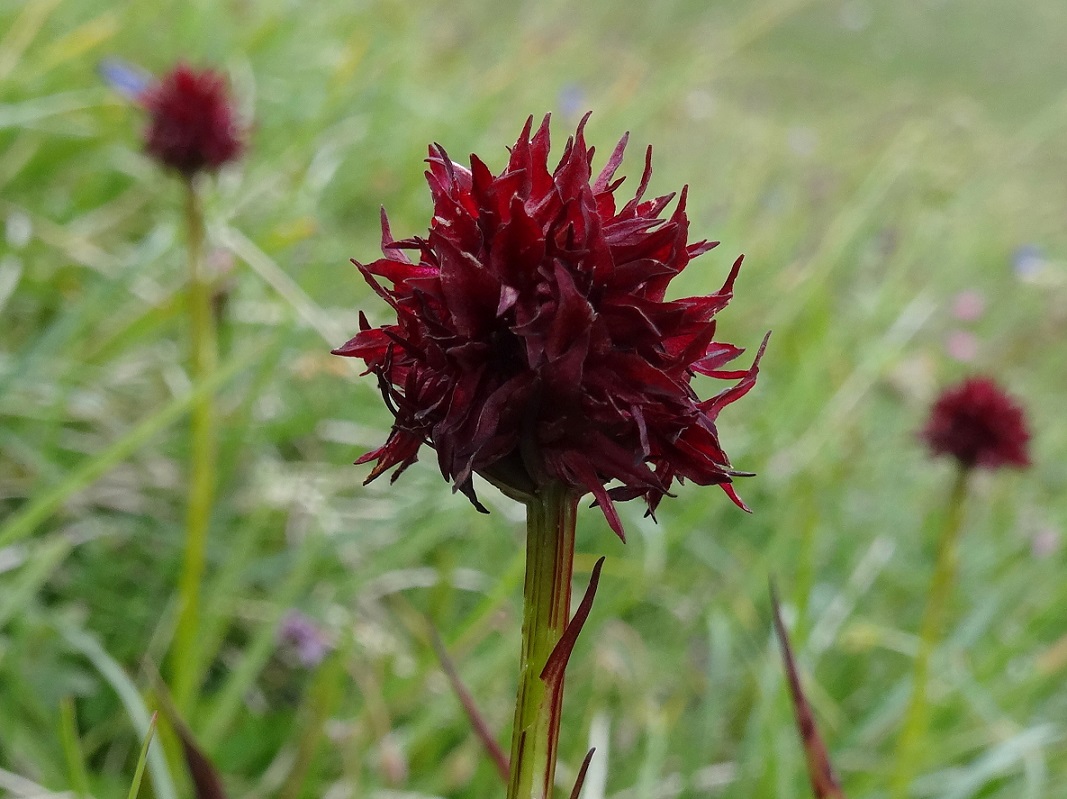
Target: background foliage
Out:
[872,160]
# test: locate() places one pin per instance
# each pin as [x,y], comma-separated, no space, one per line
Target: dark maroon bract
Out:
[978,424]
[193,125]
[533,341]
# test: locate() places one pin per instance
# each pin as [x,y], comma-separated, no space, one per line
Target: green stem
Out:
[550,520]
[202,465]
[915,719]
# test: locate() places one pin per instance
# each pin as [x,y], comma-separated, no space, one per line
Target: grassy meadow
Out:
[873,161]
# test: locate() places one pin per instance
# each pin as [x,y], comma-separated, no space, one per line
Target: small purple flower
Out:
[304,638]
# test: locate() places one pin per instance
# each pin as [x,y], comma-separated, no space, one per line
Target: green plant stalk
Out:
[550,523]
[915,719]
[202,459]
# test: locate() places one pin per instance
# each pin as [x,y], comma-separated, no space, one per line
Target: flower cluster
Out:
[193,125]
[978,424]
[533,342]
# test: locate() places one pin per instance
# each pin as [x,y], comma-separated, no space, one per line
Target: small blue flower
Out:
[1028,261]
[128,80]
[572,100]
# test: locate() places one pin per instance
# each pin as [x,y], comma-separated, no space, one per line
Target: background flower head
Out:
[193,124]
[978,424]
[306,640]
[533,341]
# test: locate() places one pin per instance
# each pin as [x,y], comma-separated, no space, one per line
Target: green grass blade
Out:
[138,773]
[20,589]
[45,503]
[259,649]
[72,752]
[22,33]
[116,677]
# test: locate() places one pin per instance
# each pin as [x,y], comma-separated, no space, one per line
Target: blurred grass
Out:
[872,161]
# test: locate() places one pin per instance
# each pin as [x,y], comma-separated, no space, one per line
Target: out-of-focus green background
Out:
[894,173]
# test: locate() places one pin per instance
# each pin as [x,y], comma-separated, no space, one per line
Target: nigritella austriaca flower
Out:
[192,131]
[980,426]
[192,121]
[534,345]
[533,340]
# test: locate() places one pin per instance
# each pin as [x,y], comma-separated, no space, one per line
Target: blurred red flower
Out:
[978,424]
[533,342]
[193,125]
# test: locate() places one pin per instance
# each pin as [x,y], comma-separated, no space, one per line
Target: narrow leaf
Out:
[207,784]
[556,664]
[581,774]
[68,730]
[130,696]
[206,779]
[477,720]
[824,783]
[138,773]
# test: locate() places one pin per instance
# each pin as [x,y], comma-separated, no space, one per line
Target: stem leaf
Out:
[824,782]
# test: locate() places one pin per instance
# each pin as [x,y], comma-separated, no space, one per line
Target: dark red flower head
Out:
[978,424]
[533,342]
[193,125]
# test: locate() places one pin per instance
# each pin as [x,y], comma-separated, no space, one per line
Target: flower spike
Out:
[978,424]
[533,341]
